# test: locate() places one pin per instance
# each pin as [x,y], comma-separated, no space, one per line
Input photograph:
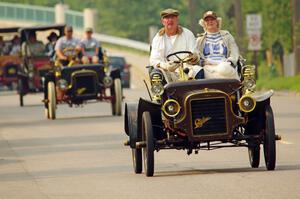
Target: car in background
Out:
[120,63]
[34,68]
[10,60]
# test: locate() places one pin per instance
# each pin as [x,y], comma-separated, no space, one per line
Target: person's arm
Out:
[233,50]
[192,46]
[155,55]
[97,48]
[82,46]
[59,52]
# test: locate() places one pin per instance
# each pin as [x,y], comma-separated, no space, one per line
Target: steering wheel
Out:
[179,59]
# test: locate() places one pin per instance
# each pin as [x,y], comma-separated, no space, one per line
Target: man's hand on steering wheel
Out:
[178,59]
[169,66]
[193,59]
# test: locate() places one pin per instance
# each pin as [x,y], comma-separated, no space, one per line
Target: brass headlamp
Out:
[157,87]
[171,108]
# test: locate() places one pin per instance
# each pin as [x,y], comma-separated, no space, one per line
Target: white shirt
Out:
[164,45]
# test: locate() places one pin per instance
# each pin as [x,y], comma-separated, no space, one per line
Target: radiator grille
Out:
[85,85]
[208,116]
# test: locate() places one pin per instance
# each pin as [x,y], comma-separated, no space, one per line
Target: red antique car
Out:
[10,60]
[35,67]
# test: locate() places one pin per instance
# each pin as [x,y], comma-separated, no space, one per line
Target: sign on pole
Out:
[254,25]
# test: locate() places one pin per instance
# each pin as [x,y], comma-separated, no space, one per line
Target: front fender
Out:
[130,122]
[261,98]
[155,111]
[115,73]
[256,118]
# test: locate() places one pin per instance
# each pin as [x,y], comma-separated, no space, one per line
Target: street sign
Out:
[253,22]
[254,40]
[254,25]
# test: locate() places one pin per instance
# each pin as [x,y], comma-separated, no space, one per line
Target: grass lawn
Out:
[266,81]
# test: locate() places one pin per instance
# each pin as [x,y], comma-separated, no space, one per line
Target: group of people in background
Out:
[61,49]
[11,47]
[68,46]
[214,53]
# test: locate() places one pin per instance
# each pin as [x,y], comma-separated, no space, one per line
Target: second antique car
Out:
[10,60]
[204,114]
[34,67]
[77,84]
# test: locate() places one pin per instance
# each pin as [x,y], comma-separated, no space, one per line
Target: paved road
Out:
[80,155]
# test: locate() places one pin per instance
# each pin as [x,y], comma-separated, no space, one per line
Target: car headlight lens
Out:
[247,103]
[249,84]
[157,89]
[107,81]
[62,84]
[30,74]
[171,108]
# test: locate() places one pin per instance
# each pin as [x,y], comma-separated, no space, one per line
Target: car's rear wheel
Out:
[117,104]
[136,153]
[137,160]
[51,101]
[148,151]
[269,139]
[21,92]
[254,156]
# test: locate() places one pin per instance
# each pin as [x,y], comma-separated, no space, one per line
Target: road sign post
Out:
[254,25]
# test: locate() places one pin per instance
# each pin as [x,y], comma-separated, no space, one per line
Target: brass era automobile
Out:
[34,67]
[10,60]
[77,84]
[202,114]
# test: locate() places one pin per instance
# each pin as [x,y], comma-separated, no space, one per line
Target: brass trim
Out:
[80,72]
[228,111]
[164,108]
[241,106]
[206,91]
[226,114]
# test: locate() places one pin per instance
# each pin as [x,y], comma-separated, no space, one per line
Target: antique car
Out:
[10,60]
[34,67]
[120,63]
[203,114]
[77,84]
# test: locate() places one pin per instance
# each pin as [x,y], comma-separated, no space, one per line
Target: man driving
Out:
[66,46]
[173,38]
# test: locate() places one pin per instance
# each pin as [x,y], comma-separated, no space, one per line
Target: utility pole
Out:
[239,23]
[191,10]
[296,34]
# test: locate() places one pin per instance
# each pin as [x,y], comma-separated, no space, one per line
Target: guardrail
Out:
[122,42]
[28,13]
[46,15]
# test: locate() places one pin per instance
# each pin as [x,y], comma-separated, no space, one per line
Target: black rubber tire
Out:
[118,97]
[137,160]
[20,91]
[254,156]
[51,101]
[269,140]
[148,151]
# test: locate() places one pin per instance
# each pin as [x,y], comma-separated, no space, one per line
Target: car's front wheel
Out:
[117,104]
[51,101]
[148,151]
[269,139]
